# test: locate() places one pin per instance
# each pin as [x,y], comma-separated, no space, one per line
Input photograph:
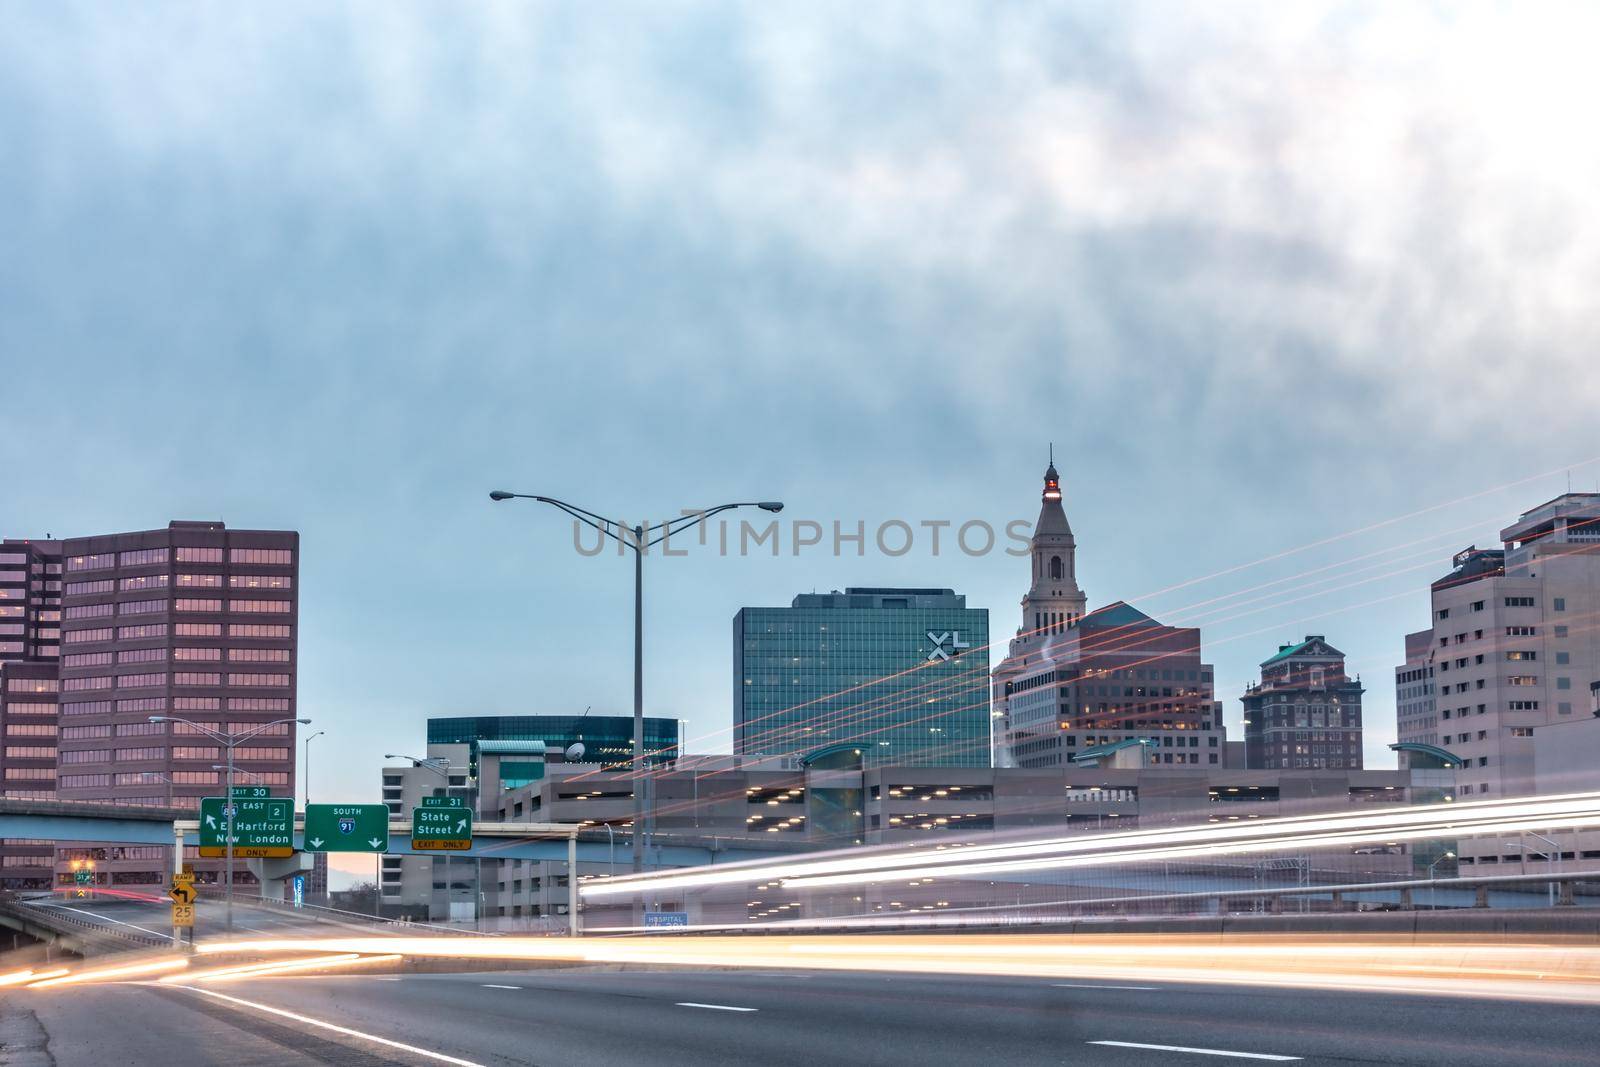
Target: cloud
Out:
[1234,259]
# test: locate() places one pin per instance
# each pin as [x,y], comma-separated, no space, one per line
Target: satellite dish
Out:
[575,752]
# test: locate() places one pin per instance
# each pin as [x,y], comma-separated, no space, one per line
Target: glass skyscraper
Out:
[899,674]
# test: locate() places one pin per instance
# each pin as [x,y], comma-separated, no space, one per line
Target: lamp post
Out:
[1548,856]
[1433,890]
[229,741]
[439,765]
[310,739]
[640,539]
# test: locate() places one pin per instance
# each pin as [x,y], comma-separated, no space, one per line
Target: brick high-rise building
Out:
[1305,713]
[195,621]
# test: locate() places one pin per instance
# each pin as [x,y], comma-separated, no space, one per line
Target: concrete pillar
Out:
[1405,898]
[1338,900]
[1482,899]
[1565,898]
[574,923]
[1275,904]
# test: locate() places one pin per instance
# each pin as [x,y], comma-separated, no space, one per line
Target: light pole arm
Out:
[671,527]
[583,515]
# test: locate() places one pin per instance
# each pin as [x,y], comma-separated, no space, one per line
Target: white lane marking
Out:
[389,979]
[94,914]
[309,1021]
[712,1007]
[1096,985]
[1196,1051]
[491,985]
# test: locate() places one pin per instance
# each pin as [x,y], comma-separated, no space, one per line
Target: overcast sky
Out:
[1266,275]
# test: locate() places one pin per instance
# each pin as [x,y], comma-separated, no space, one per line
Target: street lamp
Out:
[641,539]
[229,741]
[310,739]
[1433,890]
[1548,856]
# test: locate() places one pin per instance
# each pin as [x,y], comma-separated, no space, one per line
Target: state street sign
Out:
[262,829]
[347,828]
[250,792]
[441,829]
[182,914]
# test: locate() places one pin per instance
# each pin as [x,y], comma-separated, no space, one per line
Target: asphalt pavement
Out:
[607,1017]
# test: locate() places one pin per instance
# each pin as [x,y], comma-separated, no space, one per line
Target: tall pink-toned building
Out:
[98,634]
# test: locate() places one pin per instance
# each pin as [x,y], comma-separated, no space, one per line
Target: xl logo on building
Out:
[945,645]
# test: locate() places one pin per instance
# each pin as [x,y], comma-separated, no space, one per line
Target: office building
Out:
[481,757]
[1073,680]
[1417,717]
[605,739]
[882,676]
[1305,713]
[1513,646]
[194,621]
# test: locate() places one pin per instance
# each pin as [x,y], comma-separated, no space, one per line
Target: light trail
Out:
[1557,969]
[106,974]
[30,975]
[1486,816]
[257,970]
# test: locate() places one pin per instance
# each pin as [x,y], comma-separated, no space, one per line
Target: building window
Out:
[258,680]
[280,557]
[270,607]
[1561,603]
[190,554]
[260,581]
[141,631]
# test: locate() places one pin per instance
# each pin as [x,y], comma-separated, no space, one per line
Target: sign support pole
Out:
[228,842]
[177,868]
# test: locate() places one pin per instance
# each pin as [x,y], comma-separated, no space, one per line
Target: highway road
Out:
[153,918]
[595,1016]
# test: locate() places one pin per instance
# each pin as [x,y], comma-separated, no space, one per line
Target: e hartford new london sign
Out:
[262,828]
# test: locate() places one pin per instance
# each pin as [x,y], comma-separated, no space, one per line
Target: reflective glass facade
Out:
[606,738]
[900,673]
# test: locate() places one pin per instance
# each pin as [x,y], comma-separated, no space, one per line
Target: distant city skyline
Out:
[1322,324]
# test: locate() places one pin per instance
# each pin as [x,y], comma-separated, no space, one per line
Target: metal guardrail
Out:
[67,923]
[1340,890]
[331,914]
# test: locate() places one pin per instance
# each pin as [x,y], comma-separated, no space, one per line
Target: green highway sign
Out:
[435,829]
[250,792]
[347,828]
[444,802]
[262,829]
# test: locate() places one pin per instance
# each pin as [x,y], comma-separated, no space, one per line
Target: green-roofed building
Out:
[1305,713]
